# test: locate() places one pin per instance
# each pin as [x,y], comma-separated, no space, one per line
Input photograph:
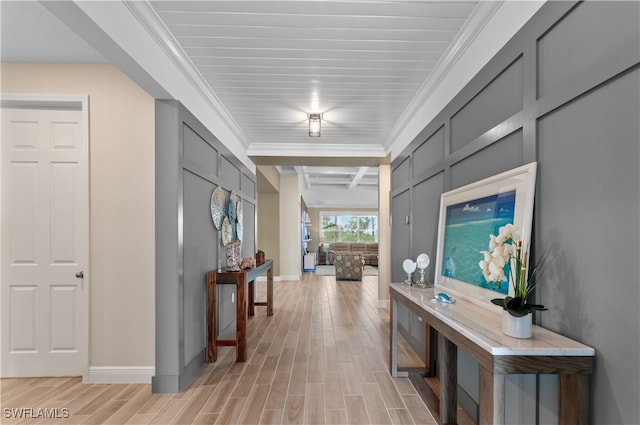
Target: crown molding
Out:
[316,150]
[483,12]
[152,23]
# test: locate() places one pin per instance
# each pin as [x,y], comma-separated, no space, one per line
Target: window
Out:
[349,227]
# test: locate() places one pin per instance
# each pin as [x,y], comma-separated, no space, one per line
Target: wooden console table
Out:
[477,331]
[244,281]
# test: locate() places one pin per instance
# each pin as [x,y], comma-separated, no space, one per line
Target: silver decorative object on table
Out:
[233,256]
[409,266]
[422,262]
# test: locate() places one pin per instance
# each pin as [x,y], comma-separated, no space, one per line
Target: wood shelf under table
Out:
[245,303]
[477,331]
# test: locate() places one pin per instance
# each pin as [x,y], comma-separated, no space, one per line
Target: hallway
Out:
[322,358]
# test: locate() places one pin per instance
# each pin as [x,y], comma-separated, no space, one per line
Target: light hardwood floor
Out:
[322,358]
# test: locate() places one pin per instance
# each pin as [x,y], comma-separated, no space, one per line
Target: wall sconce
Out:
[314,125]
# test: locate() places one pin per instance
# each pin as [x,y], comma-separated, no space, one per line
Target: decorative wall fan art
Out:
[233,202]
[234,199]
[227,215]
[218,207]
[239,226]
[227,231]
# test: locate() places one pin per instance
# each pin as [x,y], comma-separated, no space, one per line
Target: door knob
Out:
[80,275]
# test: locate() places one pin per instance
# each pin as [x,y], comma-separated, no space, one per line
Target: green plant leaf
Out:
[499,301]
[538,307]
[518,312]
[513,303]
[516,306]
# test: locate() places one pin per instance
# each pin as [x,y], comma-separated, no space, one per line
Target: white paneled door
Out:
[45,242]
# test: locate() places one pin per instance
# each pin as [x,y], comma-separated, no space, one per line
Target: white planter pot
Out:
[517,327]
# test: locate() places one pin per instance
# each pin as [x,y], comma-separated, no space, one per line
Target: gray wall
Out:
[564,92]
[190,164]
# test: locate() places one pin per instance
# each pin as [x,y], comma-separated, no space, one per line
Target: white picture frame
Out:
[463,231]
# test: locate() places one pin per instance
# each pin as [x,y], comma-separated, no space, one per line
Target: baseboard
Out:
[293,277]
[383,303]
[172,383]
[120,375]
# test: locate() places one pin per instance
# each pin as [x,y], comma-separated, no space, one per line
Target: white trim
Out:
[483,12]
[500,26]
[120,375]
[127,33]
[292,277]
[150,20]
[44,101]
[316,150]
[383,303]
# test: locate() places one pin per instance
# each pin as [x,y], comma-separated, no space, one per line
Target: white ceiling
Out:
[368,66]
[272,62]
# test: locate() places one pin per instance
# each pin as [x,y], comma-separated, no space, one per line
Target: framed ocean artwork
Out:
[468,216]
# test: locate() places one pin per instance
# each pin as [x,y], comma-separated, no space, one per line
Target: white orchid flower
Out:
[487,256]
[512,231]
[500,253]
[485,269]
[509,250]
[493,242]
[496,273]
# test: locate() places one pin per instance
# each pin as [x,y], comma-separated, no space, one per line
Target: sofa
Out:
[369,251]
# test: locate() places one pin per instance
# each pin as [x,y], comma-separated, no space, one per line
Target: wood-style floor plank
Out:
[231,411]
[294,410]
[321,359]
[271,417]
[356,410]
[169,411]
[314,405]
[255,405]
[336,417]
[374,403]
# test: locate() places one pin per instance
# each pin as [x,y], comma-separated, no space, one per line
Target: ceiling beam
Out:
[300,170]
[357,177]
[331,161]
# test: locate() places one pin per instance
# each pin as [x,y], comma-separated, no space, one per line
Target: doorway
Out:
[45,236]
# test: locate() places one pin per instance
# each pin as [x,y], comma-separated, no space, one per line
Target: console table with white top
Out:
[477,331]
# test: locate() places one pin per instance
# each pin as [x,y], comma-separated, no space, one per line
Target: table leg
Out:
[270,292]
[573,399]
[241,318]
[448,359]
[393,351]
[429,350]
[251,298]
[492,405]
[212,349]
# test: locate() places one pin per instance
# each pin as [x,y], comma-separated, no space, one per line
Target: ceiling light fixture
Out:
[314,125]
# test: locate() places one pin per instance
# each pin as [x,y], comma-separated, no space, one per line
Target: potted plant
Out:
[259,257]
[507,261]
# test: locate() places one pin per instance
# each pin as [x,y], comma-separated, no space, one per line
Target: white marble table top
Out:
[483,327]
